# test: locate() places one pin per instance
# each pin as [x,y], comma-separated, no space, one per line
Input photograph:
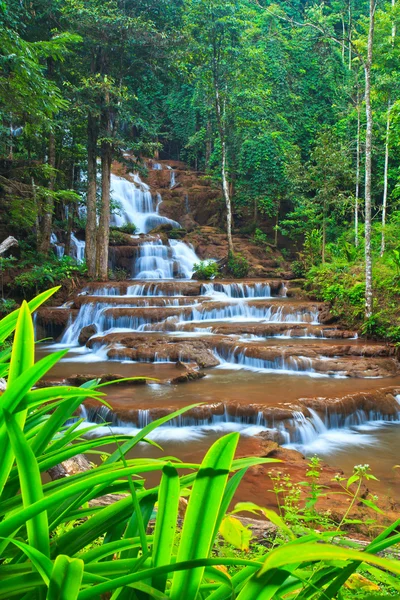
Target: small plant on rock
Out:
[205,270]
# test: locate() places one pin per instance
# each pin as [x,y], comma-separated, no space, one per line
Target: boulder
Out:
[86,333]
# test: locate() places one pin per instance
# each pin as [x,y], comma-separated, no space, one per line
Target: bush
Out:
[177,234]
[57,543]
[129,228]
[205,270]
[238,265]
[298,268]
[260,238]
[39,277]
[117,238]
[7,306]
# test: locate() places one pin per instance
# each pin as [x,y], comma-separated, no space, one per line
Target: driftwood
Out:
[7,244]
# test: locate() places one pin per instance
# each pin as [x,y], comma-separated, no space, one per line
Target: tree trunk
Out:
[323,232]
[385,180]
[349,35]
[224,175]
[208,144]
[47,218]
[278,208]
[386,171]
[368,162]
[103,233]
[357,174]
[91,221]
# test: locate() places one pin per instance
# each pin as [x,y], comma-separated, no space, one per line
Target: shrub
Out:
[238,265]
[117,237]
[298,268]
[177,234]
[7,306]
[260,238]
[40,276]
[56,543]
[205,270]
[129,228]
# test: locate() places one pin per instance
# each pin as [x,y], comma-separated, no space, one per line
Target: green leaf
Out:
[205,499]
[66,578]
[235,533]
[31,486]
[166,521]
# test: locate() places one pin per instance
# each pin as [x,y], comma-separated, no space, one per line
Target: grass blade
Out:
[31,487]
[167,516]
[66,578]
[205,499]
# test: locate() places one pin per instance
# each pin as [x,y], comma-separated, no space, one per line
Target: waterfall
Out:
[77,249]
[295,365]
[136,205]
[173,179]
[243,311]
[298,430]
[237,290]
[158,261]
[58,248]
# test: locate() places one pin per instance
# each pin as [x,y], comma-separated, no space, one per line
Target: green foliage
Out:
[7,306]
[177,234]
[129,228]
[260,238]
[40,276]
[238,265]
[205,270]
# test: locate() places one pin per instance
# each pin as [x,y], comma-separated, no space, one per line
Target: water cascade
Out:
[77,249]
[58,248]
[136,205]
[300,429]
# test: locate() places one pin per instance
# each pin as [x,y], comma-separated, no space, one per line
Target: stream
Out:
[269,363]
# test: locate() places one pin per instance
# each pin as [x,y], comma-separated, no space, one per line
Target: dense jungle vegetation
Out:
[292,108]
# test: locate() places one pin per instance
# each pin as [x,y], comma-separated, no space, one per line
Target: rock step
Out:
[288,422]
[182,287]
[323,358]
[286,330]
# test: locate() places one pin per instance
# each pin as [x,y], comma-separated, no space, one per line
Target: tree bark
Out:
[47,218]
[103,233]
[368,162]
[224,174]
[386,170]
[91,221]
[358,154]
[385,180]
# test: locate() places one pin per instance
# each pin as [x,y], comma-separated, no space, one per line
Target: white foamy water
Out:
[136,205]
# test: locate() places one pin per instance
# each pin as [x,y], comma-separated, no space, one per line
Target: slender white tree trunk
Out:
[386,168]
[385,180]
[368,162]
[358,156]
[224,175]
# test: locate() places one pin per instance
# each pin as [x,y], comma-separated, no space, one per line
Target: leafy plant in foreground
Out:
[56,544]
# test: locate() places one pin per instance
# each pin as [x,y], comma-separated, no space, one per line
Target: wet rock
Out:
[326,317]
[187,374]
[86,333]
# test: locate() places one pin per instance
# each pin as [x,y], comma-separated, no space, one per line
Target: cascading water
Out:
[58,248]
[298,430]
[136,205]
[77,249]
[158,261]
